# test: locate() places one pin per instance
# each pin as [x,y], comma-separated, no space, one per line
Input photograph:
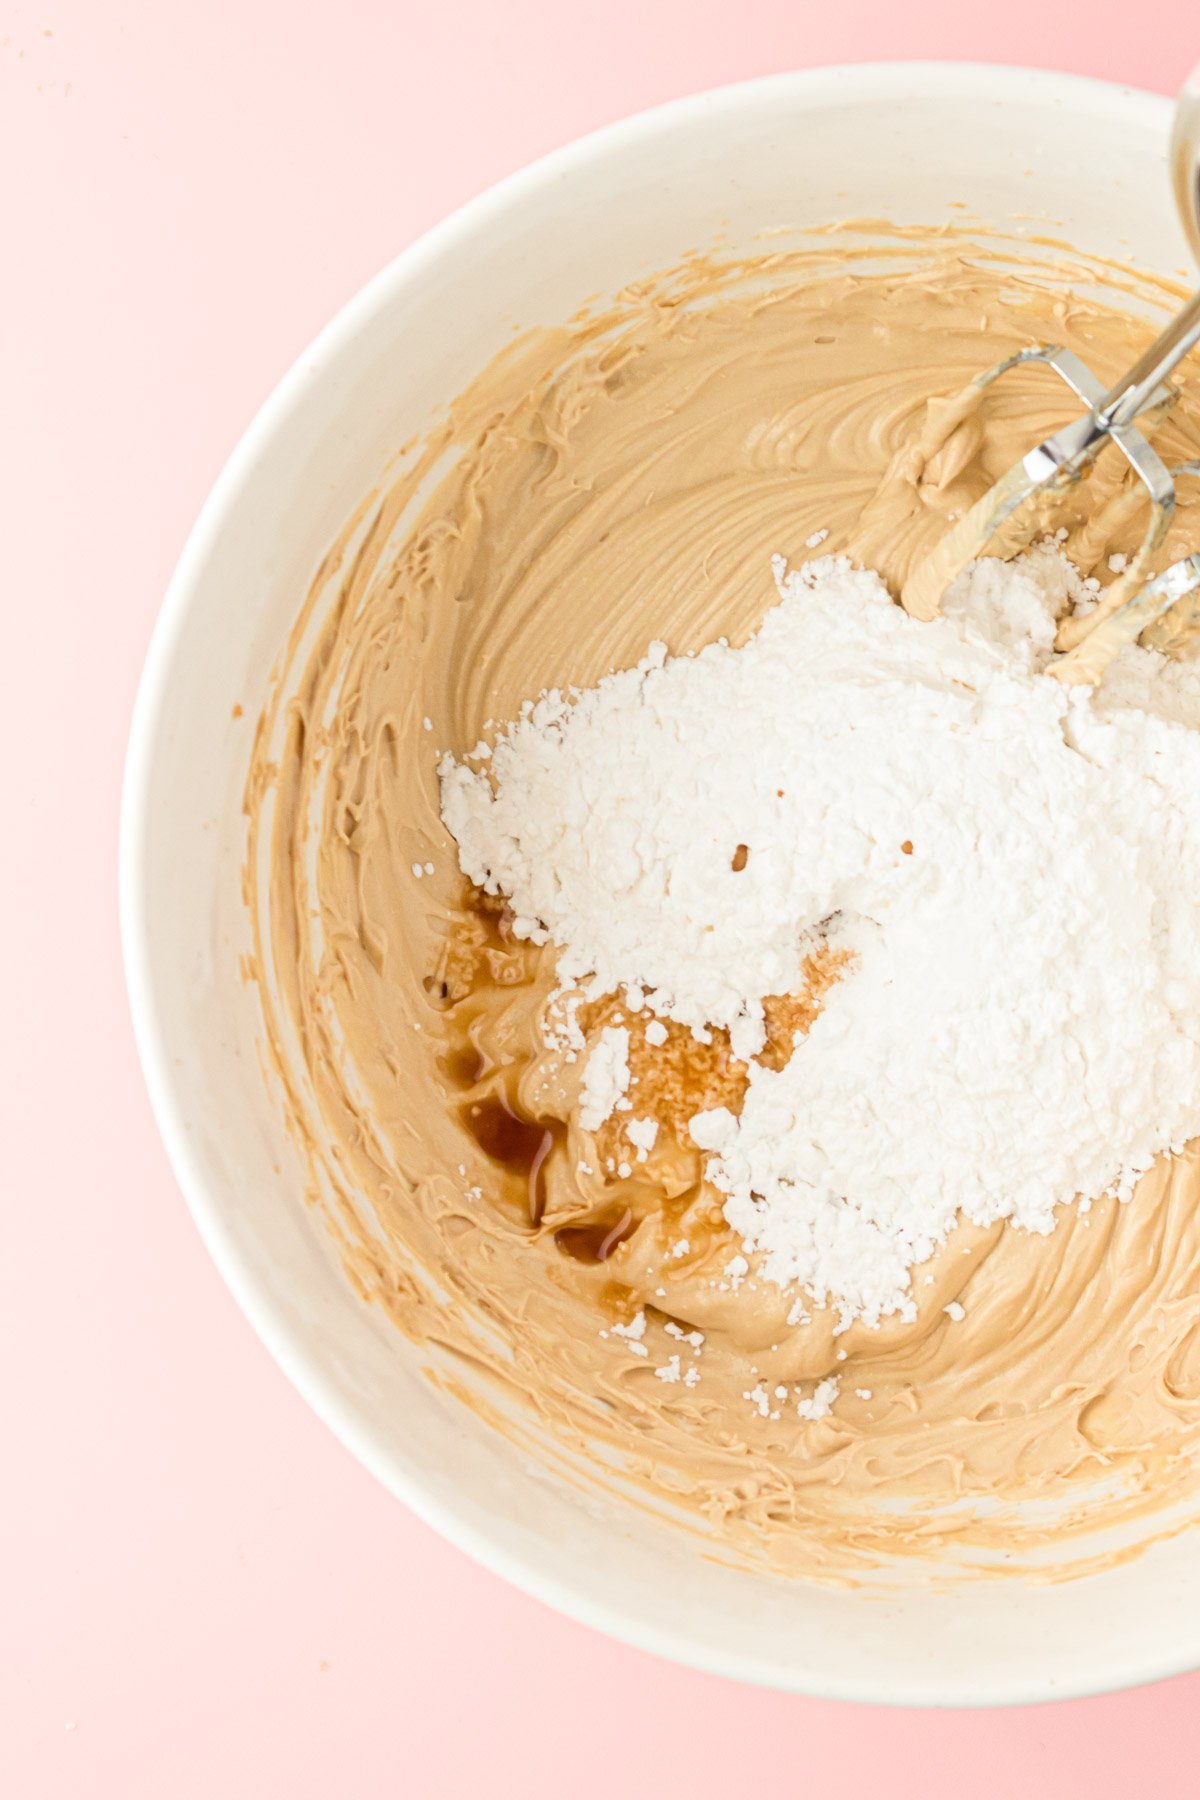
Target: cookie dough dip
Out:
[753,1033]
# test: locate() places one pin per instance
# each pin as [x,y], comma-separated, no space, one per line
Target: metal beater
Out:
[1164,609]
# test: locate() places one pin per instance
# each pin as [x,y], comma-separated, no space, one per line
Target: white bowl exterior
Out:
[900,142]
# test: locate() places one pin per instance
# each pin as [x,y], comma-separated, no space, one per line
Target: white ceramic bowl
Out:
[903,142]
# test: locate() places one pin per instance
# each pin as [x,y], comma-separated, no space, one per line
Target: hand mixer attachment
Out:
[1163,609]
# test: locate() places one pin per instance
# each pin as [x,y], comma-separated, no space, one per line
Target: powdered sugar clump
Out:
[643,1135]
[1010,862]
[605,1078]
[820,1404]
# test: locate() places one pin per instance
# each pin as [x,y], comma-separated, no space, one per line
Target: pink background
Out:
[202,1593]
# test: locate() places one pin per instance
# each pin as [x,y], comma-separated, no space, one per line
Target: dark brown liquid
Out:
[595,1243]
[519,1144]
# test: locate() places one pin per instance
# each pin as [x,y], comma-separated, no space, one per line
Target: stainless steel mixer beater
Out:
[1164,609]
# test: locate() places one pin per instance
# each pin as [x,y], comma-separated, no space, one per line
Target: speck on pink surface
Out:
[201,1593]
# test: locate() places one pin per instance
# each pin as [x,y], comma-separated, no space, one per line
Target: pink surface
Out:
[202,1593]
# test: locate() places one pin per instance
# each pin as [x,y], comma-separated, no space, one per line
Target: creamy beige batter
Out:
[624,478]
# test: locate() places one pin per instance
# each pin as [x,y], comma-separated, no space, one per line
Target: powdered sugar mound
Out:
[612,823]
[1012,864]
[1015,606]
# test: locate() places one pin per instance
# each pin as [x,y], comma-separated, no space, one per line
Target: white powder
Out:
[642,1134]
[656,1033]
[605,1077]
[633,1333]
[1010,863]
[715,1129]
[694,1338]
[737,1269]
[821,1403]
[817,1405]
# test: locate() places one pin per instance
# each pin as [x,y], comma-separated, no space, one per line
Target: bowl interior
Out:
[930,144]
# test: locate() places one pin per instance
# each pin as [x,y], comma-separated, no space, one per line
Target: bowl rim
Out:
[1093,1673]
